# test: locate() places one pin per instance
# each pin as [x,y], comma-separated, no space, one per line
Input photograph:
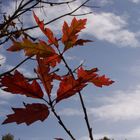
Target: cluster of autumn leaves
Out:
[48,55]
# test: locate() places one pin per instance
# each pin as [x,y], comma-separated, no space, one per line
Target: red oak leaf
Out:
[70,33]
[54,58]
[30,48]
[17,84]
[46,31]
[93,77]
[101,81]
[69,87]
[45,75]
[29,114]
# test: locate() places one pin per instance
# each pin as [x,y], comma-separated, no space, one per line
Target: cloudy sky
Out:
[114,111]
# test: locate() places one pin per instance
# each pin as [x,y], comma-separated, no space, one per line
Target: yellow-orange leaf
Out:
[31,48]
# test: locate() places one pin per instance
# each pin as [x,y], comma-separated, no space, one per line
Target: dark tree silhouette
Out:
[8,137]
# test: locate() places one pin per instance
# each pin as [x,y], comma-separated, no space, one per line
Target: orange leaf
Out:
[101,81]
[86,74]
[17,84]
[70,33]
[15,47]
[46,31]
[52,60]
[45,75]
[93,77]
[29,114]
[68,87]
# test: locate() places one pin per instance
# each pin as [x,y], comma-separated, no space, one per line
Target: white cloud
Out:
[70,112]
[105,26]
[123,105]
[84,138]
[5,95]
[135,1]
[105,2]
[134,134]
[5,98]
[2,59]
[112,28]
[49,13]
[23,70]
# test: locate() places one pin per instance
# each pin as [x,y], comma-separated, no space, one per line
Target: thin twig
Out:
[55,19]
[88,13]
[62,124]
[56,3]
[9,71]
[81,99]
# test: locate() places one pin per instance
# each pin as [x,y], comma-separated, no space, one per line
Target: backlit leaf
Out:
[68,87]
[93,77]
[31,48]
[101,81]
[70,33]
[51,38]
[45,75]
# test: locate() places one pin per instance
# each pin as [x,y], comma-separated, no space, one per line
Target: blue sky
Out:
[113,111]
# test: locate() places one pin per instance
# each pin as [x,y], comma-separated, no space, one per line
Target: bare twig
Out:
[81,99]
[62,124]
[56,3]
[55,19]
[82,14]
[9,71]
